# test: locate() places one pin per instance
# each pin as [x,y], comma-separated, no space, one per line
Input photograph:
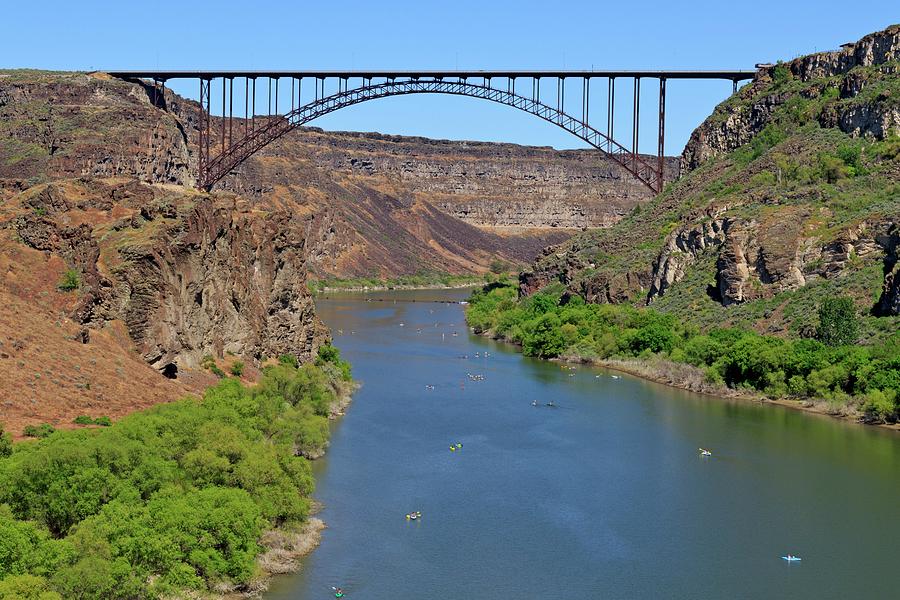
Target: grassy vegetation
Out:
[70,281]
[553,323]
[168,499]
[422,280]
[86,420]
[39,431]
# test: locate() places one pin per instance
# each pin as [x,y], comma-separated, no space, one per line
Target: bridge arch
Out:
[274,127]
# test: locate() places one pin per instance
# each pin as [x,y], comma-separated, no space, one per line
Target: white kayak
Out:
[792,558]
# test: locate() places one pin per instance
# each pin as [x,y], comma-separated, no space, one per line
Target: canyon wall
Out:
[485,184]
[790,193]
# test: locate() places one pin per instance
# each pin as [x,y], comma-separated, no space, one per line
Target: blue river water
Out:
[602,496]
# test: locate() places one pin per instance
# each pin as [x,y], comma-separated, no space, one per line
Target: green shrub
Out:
[771,135]
[289,359]
[103,421]
[39,431]
[837,322]
[880,406]
[331,355]
[832,168]
[763,179]
[27,587]
[797,385]
[5,443]
[237,368]
[83,420]
[850,155]
[780,74]
[215,370]
[544,339]
[70,281]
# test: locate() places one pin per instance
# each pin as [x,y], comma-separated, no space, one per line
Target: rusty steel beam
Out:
[660,155]
[636,116]
[611,107]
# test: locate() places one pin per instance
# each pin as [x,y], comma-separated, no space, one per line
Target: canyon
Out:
[97,184]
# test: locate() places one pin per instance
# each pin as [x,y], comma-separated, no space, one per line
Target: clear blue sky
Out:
[485,34]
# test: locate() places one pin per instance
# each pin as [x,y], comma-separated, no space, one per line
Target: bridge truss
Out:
[236,138]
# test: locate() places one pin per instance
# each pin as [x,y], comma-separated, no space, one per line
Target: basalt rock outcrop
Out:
[485,184]
[63,125]
[189,274]
[889,302]
[856,73]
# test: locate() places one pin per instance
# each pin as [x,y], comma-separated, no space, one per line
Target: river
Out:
[603,496]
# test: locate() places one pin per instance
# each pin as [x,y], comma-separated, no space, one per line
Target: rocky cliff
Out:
[189,274]
[484,184]
[791,193]
[859,77]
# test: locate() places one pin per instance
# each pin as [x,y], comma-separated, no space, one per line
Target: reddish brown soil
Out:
[48,374]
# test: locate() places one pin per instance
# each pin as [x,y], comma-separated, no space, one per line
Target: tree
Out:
[5,443]
[837,322]
[545,340]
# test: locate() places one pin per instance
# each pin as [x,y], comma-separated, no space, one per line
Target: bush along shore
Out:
[828,373]
[196,498]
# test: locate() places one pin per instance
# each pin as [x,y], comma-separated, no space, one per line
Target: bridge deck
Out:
[740,75]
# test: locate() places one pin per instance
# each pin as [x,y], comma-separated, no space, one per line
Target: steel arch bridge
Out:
[253,131]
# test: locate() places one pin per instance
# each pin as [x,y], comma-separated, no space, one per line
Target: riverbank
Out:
[391,288]
[429,281]
[284,548]
[857,383]
[693,379]
[216,491]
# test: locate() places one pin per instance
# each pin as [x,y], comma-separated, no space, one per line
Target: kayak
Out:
[791,558]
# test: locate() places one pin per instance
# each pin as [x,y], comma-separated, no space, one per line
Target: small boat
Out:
[615,376]
[452,448]
[704,452]
[791,558]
